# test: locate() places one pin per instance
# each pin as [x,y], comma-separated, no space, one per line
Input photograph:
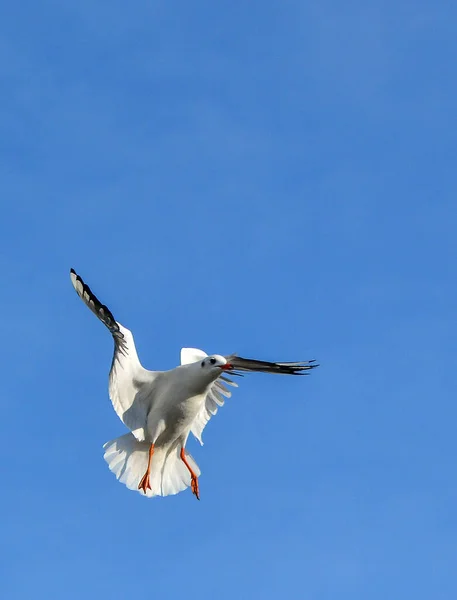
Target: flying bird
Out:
[161,408]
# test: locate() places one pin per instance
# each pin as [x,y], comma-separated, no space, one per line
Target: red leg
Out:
[194,478]
[144,483]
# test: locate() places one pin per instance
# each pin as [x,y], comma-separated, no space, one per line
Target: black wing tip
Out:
[75,277]
[99,309]
[297,369]
[281,368]
[311,364]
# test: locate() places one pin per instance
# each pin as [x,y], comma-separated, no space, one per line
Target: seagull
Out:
[161,408]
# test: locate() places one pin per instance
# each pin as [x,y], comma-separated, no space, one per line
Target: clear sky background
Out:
[271,178]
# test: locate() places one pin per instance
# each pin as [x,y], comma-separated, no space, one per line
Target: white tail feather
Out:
[127,458]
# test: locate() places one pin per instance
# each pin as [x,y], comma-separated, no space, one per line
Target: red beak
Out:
[227,367]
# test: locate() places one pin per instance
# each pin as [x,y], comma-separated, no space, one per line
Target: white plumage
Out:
[161,408]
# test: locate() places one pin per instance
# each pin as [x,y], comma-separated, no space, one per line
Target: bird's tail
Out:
[127,458]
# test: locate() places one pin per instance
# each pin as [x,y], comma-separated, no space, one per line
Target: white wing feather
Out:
[131,386]
[214,398]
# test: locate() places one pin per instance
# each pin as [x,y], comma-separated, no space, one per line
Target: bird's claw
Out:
[194,487]
[145,484]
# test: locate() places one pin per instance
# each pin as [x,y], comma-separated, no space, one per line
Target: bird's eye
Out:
[212,361]
[203,364]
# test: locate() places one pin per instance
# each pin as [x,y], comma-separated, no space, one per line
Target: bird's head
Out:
[214,365]
[203,371]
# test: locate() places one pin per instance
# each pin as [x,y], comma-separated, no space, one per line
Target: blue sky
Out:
[271,178]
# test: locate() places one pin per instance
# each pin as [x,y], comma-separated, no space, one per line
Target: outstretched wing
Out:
[131,386]
[261,366]
[215,397]
[218,391]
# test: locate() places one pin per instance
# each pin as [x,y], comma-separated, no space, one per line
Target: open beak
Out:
[227,367]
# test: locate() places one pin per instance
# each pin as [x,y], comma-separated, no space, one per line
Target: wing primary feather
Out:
[100,310]
[131,386]
[228,381]
[283,368]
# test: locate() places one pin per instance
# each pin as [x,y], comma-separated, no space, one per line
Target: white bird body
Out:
[176,398]
[179,395]
[161,408]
